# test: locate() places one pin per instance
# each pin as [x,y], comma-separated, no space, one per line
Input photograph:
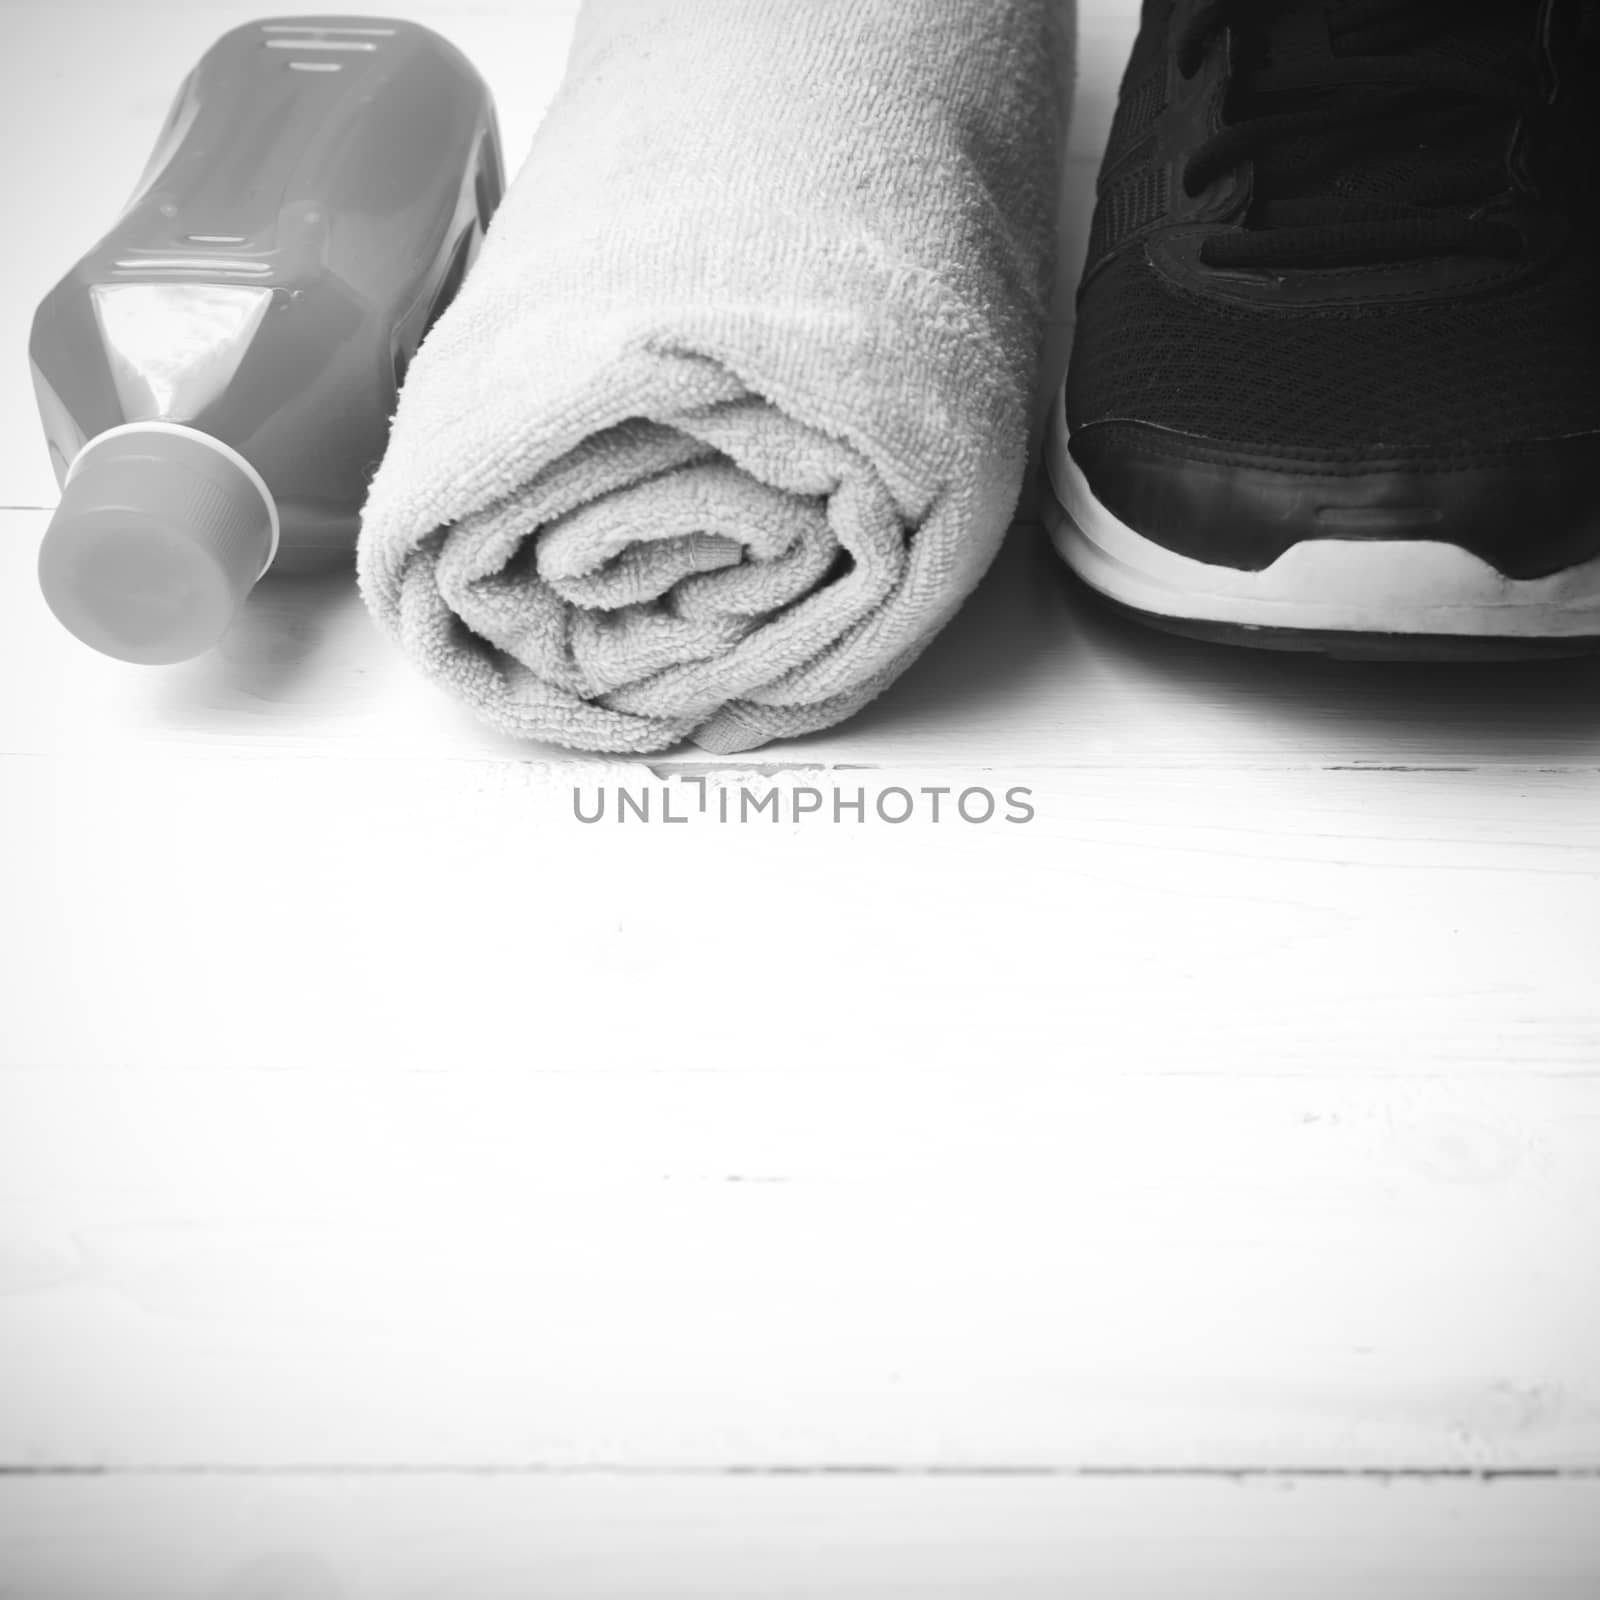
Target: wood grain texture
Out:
[787,1264]
[736,1209]
[177,909]
[482,1538]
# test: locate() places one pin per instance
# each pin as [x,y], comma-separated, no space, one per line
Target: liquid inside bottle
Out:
[217,375]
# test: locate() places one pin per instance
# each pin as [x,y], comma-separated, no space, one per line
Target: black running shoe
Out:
[1335,381]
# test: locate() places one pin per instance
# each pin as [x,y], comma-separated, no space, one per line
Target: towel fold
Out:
[732,412]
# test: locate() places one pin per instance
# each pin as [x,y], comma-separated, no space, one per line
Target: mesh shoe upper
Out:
[1457,374]
[1418,365]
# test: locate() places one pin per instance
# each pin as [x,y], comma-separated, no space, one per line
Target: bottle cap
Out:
[160,534]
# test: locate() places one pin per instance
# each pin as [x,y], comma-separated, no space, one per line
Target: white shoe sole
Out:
[1409,587]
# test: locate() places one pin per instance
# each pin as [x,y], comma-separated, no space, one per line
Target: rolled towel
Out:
[732,412]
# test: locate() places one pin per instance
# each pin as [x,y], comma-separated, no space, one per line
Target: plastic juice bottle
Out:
[216,377]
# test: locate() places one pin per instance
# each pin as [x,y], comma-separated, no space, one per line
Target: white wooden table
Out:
[407,1190]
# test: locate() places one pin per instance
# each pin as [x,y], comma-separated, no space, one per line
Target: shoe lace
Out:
[1380,130]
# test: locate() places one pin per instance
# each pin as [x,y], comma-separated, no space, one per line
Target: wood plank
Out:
[617,1539]
[358,1106]
[177,909]
[797,1261]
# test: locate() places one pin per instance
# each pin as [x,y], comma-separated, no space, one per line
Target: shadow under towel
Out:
[732,412]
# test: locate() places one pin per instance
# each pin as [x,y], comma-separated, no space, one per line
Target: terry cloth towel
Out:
[732,412]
